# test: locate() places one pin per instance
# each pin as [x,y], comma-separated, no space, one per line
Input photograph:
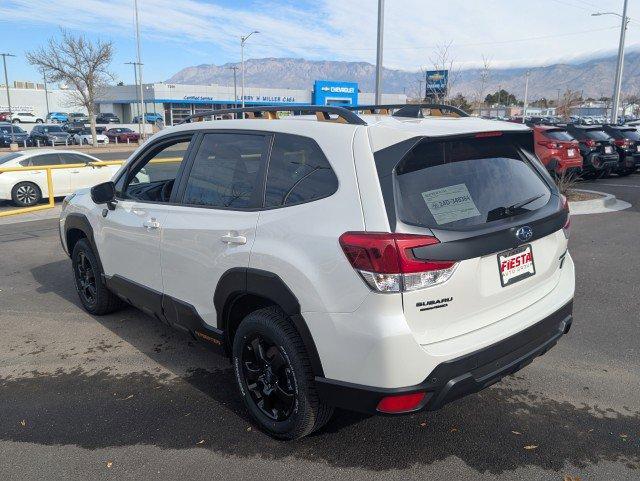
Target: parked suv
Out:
[627,141]
[57,117]
[558,151]
[598,151]
[369,262]
[107,118]
[42,135]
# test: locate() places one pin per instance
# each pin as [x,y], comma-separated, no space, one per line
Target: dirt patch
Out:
[580,195]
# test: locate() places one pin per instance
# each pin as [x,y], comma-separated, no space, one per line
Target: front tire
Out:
[93,293]
[26,194]
[275,378]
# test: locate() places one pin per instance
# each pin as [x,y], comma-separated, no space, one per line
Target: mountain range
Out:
[593,77]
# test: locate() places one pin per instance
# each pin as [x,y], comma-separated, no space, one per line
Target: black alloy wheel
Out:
[269,377]
[86,279]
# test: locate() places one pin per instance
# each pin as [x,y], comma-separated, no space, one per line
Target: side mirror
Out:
[104,193]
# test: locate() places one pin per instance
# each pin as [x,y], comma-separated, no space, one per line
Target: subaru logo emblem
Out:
[524,233]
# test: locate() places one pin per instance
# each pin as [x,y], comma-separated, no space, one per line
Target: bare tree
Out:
[484,80]
[568,100]
[442,60]
[79,63]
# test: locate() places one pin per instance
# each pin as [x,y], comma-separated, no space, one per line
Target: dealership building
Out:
[33,98]
[175,102]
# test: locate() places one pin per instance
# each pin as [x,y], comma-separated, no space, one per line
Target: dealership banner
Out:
[436,81]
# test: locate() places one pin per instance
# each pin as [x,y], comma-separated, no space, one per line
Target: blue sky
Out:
[180,33]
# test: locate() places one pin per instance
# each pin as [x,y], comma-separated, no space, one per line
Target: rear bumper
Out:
[458,377]
[601,161]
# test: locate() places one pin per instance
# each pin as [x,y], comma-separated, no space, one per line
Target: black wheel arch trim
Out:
[237,282]
[81,223]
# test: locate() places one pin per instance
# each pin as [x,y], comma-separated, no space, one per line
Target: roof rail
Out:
[323,113]
[415,111]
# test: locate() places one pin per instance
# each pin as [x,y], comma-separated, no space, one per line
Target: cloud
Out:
[510,32]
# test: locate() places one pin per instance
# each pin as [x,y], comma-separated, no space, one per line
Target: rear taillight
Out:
[566,228]
[590,143]
[624,143]
[387,264]
[550,145]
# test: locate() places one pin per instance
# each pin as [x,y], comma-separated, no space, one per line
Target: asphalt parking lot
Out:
[123,396]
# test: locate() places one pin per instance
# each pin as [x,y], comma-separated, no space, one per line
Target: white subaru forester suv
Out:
[380,263]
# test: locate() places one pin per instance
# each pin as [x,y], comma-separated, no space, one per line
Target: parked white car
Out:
[26,117]
[27,188]
[84,138]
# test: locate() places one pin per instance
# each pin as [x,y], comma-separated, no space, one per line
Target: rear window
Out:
[466,183]
[631,134]
[559,135]
[8,157]
[597,135]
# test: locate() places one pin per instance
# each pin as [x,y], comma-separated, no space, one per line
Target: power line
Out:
[423,47]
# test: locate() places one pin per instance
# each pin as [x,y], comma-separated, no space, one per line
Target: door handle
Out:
[75,171]
[151,224]
[233,239]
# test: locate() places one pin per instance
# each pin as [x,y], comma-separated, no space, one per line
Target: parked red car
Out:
[121,135]
[557,149]
[4,116]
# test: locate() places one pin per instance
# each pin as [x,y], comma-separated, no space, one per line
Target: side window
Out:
[154,179]
[44,159]
[74,159]
[226,171]
[298,172]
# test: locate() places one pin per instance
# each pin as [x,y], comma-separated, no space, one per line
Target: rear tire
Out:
[93,293]
[275,378]
[26,194]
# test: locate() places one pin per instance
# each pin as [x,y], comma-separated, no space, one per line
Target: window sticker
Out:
[449,204]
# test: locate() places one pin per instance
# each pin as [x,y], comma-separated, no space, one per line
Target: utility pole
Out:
[235,88]
[617,84]
[143,134]
[379,52]
[46,92]
[243,40]
[6,84]
[526,96]
[135,77]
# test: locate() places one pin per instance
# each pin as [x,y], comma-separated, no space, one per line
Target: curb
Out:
[607,203]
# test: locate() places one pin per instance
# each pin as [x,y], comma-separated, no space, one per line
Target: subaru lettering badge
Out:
[524,233]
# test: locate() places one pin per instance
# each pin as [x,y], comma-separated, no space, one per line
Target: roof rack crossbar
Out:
[322,113]
[409,110]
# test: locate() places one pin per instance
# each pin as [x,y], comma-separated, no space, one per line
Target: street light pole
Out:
[135,79]
[6,84]
[139,65]
[526,96]
[46,92]
[379,51]
[617,84]
[235,87]
[243,39]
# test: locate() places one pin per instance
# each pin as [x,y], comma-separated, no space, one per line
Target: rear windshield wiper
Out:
[500,212]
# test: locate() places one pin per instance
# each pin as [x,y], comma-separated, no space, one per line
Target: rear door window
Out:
[464,183]
[298,172]
[227,171]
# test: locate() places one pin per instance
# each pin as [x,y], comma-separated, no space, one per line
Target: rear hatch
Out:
[496,214]
[599,140]
[563,141]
